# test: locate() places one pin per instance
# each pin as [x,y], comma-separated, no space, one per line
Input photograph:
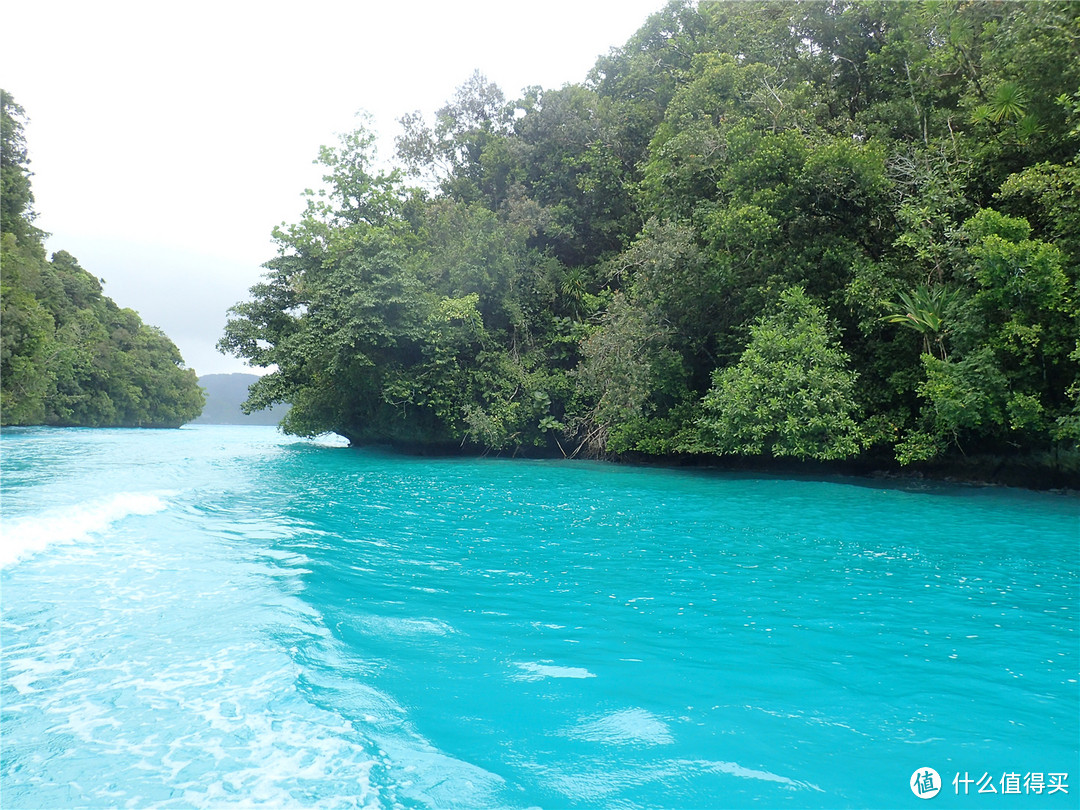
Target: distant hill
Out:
[224,393]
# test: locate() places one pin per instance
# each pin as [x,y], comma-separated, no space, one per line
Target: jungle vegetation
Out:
[69,356]
[817,230]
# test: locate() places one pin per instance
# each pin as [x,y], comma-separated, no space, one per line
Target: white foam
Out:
[531,671]
[329,440]
[23,537]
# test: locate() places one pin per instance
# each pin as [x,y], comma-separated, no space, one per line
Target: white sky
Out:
[167,139]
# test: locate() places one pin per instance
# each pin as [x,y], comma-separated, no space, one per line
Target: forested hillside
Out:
[844,230]
[68,354]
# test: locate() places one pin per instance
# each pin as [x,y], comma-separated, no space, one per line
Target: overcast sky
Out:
[167,139]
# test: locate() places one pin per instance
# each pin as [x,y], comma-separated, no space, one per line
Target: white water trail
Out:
[24,537]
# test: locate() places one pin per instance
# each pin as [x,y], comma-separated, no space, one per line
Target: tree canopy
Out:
[68,354]
[830,230]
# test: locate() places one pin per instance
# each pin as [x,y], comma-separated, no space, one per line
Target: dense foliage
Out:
[826,230]
[68,354]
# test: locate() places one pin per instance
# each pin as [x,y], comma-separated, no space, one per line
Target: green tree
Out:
[790,394]
[631,372]
[925,310]
[454,152]
[1010,377]
[16,196]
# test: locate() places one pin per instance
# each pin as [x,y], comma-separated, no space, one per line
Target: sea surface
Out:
[221,616]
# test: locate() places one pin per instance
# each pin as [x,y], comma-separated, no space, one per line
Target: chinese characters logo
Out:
[925,783]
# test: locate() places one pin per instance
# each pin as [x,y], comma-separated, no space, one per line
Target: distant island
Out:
[225,393]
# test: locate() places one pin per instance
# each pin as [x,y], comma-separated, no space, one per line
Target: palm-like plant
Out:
[1009,103]
[925,310]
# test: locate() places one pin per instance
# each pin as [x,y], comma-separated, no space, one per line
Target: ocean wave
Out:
[24,537]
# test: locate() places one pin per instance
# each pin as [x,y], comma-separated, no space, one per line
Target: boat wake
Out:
[24,537]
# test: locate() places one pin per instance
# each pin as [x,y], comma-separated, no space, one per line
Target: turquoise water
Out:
[224,615]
